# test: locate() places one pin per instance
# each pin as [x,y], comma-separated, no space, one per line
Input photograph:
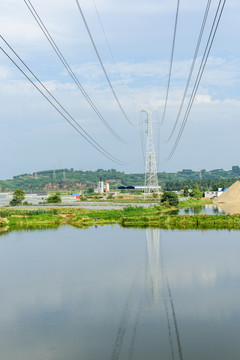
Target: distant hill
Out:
[71,180]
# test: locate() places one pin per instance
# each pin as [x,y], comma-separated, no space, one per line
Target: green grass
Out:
[194,203]
[155,216]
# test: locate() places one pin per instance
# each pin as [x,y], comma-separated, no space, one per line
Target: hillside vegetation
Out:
[72,180]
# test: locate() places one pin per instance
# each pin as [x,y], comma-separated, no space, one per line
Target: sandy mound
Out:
[230,208]
[231,195]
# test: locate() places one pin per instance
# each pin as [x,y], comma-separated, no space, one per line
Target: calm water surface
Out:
[205,209]
[112,293]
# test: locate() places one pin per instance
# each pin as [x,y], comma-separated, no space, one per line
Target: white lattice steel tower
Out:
[153,246]
[151,179]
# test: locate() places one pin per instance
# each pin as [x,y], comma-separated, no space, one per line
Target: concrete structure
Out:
[154,188]
[210,194]
[102,188]
[213,194]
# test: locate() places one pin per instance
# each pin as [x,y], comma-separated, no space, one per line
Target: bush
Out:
[186,191]
[18,197]
[83,198]
[196,193]
[170,197]
[53,199]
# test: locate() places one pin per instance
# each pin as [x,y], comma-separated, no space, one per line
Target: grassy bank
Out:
[186,222]
[156,216]
[194,203]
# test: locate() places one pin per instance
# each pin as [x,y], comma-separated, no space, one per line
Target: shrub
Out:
[170,197]
[196,193]
[83,198]
[53,199]
[18,197]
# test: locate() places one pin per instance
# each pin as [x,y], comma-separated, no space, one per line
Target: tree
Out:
[196,193]
[18,197]
[170,197]
[185,191]
[54,199]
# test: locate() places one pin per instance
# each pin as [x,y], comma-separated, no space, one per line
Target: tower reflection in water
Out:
[156,293]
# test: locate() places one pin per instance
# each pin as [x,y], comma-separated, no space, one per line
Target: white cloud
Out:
[140,35]
[4,72]
[203,99]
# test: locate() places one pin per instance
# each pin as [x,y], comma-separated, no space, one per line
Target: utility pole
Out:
[151,179]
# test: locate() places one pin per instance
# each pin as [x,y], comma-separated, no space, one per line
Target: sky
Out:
[34,136]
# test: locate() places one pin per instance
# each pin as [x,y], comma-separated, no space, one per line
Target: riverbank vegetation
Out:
[158,216]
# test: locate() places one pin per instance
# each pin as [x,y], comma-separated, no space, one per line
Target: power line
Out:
[83,133]
[171,61]
[158,141]
[165,279]
[107,42]
[199,76]
[141,131]
[101,63]
[68,68]
[175,321]
[109,48]
[192,66]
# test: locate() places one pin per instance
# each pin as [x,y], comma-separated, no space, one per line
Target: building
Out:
[140,187]
[210,194]
[102,188]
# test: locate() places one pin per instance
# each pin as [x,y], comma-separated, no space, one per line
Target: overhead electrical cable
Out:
[192,67]
[141,132]
[158,141]
[83,133]
[107,42]
[110,51]
[169,294]
[171,61]
[180,353]
[101,63]
[199,76]
[68,68]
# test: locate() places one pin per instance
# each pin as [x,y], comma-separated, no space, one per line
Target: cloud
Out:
[203,99]
[4,72]
[140,36]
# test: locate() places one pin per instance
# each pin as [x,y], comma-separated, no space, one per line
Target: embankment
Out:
[128,217]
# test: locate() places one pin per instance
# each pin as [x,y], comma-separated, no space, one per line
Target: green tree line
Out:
[72,180]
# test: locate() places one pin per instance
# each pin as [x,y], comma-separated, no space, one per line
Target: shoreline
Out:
[130,217]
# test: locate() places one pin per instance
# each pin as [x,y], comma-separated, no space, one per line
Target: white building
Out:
[102,188]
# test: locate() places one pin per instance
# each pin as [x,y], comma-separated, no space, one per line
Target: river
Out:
[113,293]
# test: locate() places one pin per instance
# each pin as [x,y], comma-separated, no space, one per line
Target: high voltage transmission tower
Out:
[151,179]
[153,246]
